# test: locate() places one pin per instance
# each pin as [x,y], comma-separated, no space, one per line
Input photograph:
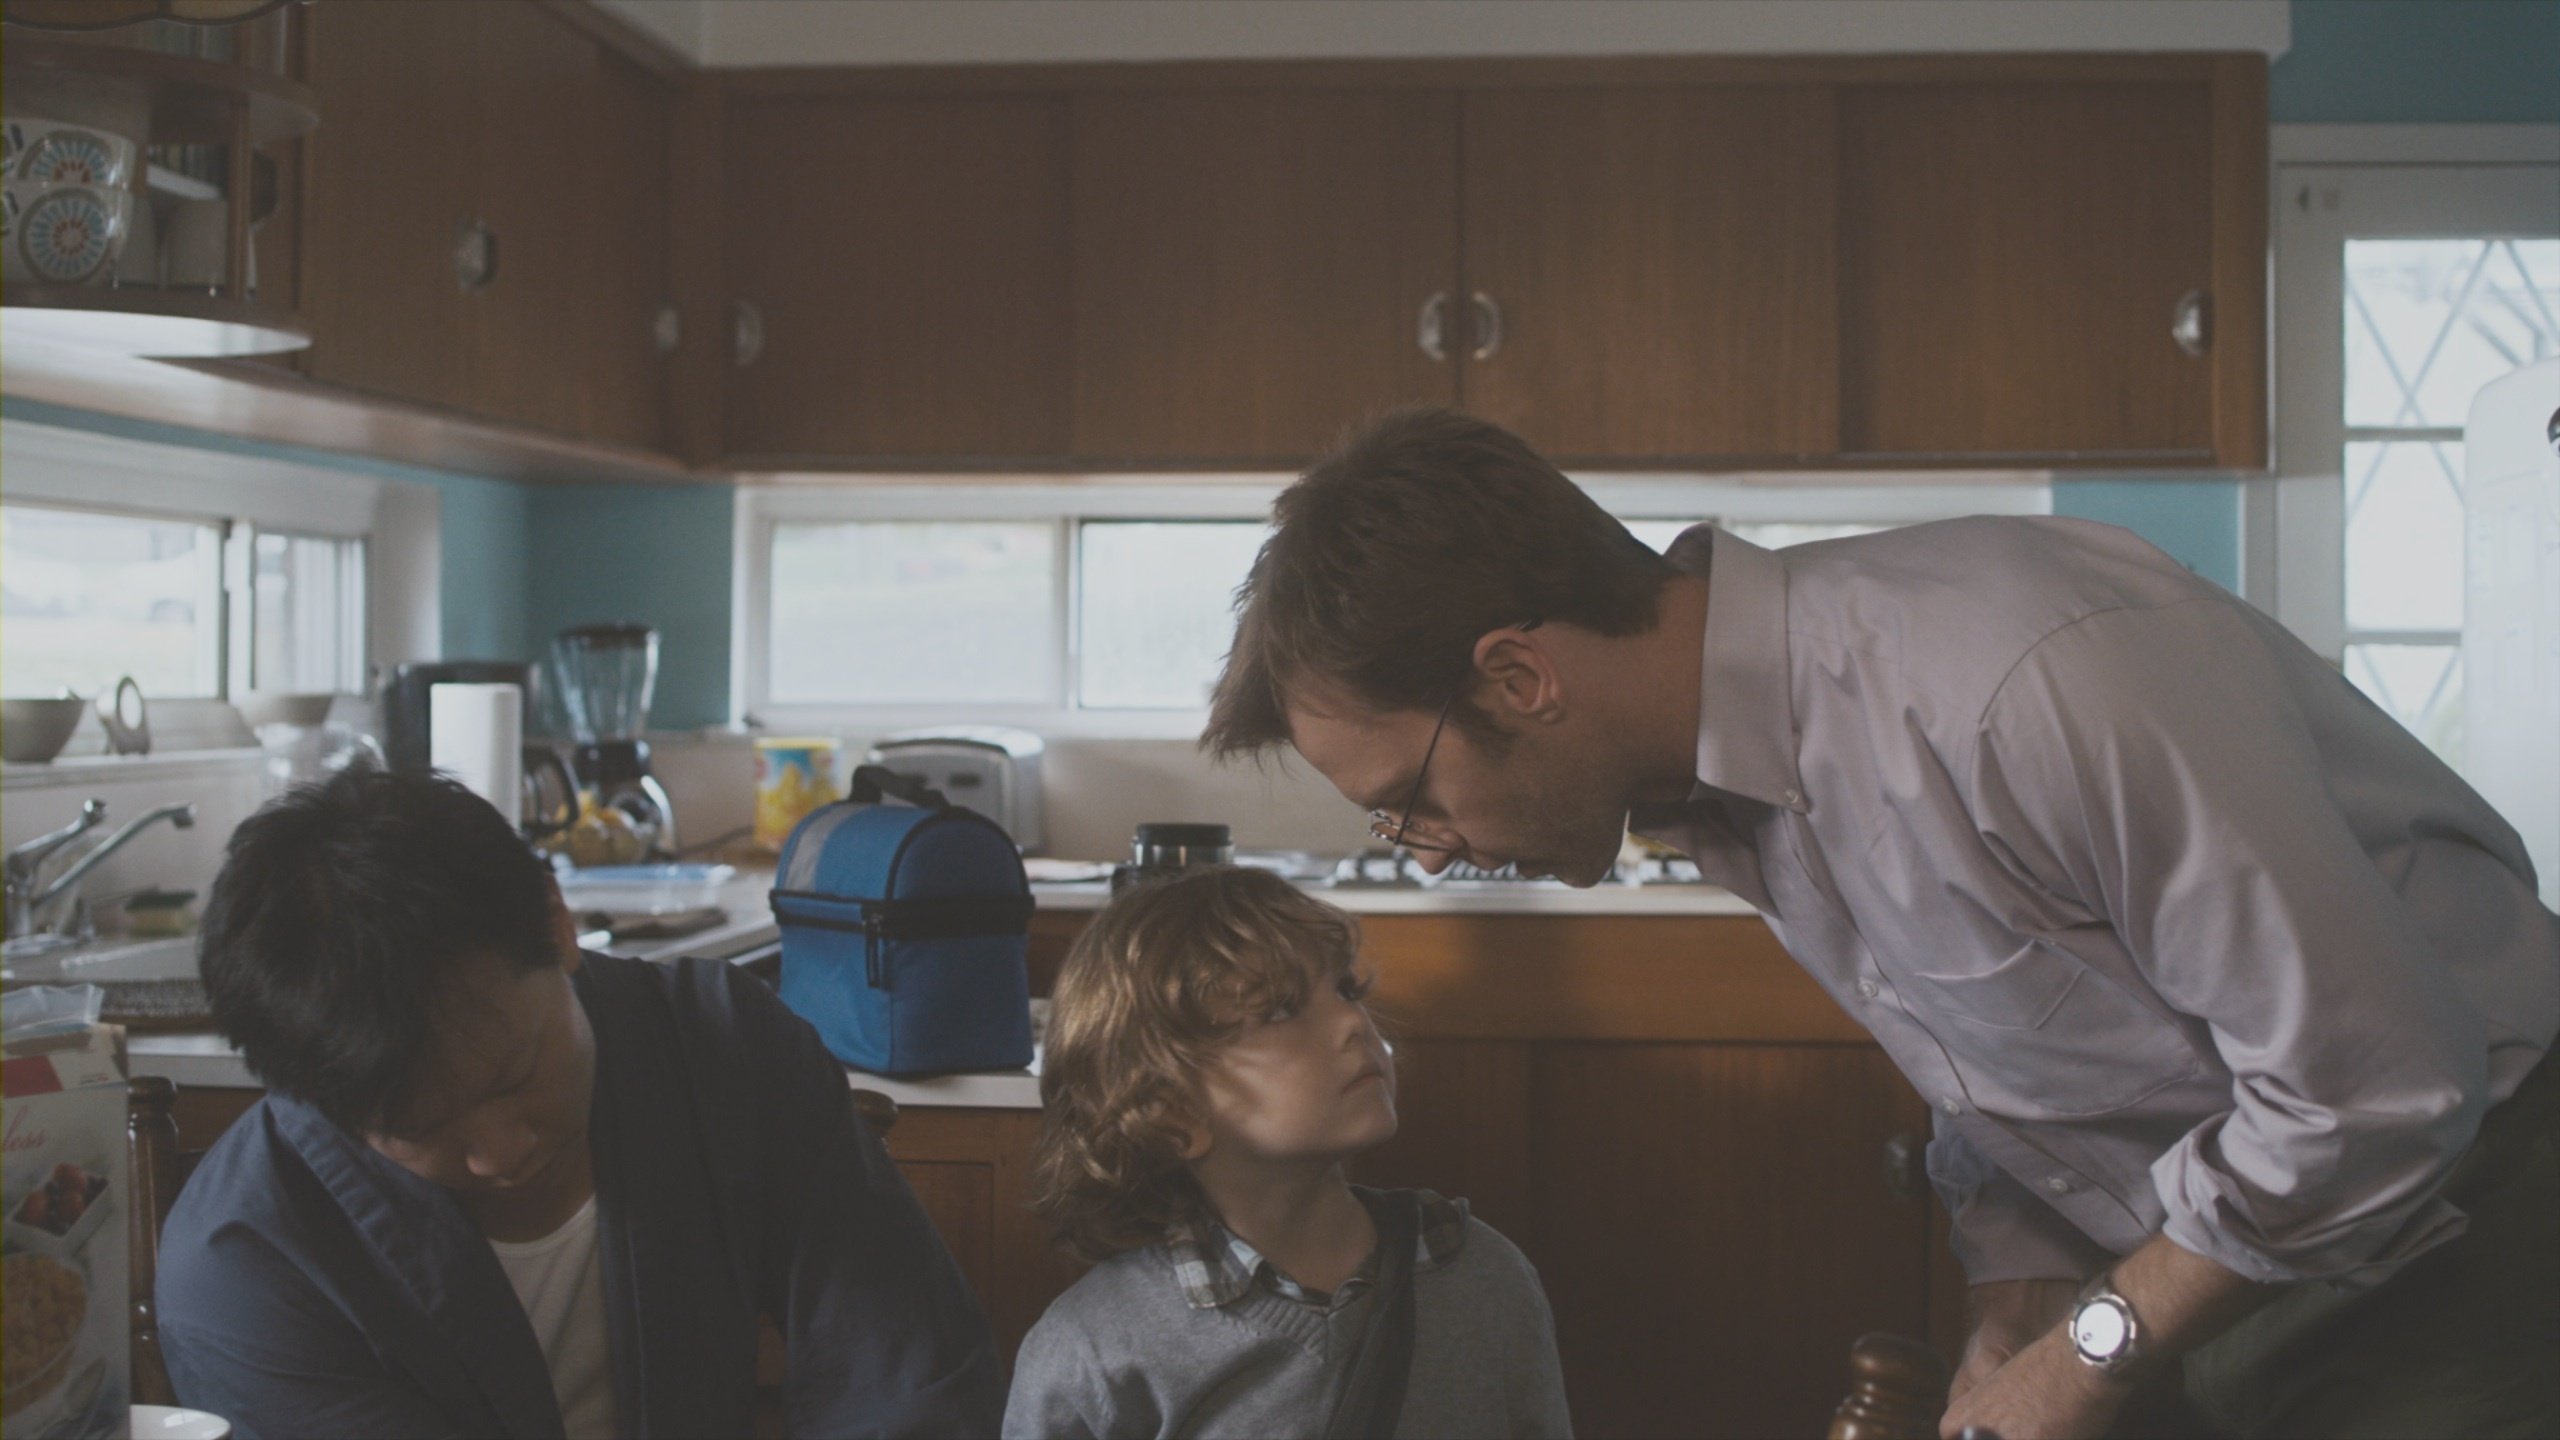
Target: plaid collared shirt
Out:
[1216,1267]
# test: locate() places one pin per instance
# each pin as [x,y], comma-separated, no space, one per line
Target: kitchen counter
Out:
[1470,897]
[200,1058]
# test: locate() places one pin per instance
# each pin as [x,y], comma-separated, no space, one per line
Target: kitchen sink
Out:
[117,959]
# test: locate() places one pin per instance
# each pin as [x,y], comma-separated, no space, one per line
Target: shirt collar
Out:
[1746,702]
[1217,1267]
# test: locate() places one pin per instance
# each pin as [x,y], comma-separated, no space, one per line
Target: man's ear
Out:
[1522,674]
[564,928]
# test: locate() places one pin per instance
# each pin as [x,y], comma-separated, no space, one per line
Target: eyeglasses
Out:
[1398,830]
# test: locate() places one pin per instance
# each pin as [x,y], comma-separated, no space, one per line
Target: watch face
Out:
[2099,1330]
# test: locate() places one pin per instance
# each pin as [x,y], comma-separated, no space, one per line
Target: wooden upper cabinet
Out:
[1651,270]
[904,259]
[1251,267]
[541,134]
[2056,271]
[507,121]
[391,177]
[625,247]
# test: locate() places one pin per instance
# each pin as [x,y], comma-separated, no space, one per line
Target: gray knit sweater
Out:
[1129,1352]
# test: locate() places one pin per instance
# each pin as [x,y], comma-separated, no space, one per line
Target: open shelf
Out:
[139,320]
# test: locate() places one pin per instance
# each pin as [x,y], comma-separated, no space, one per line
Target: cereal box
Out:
[64,1182]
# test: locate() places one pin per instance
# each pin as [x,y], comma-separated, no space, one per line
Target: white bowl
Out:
[168,1422]
[283,707]
[36,730]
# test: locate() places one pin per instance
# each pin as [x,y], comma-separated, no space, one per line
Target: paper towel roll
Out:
[475,733]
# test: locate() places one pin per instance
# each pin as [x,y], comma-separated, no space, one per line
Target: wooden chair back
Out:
[151,1143]
[1897,1391]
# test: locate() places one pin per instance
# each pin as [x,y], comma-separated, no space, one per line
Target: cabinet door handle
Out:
[1488,324]
[666,328]
[475,254]
[746,333]
[2191,322]
[1903,1171]
[1430,327]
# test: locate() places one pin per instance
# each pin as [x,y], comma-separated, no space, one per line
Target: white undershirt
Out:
[562,1288]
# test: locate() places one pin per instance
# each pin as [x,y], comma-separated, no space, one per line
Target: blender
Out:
[605,674]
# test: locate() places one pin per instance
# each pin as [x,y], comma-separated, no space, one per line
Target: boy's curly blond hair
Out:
[1164,977]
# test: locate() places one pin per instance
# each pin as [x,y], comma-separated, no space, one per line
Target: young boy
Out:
[1210,1069]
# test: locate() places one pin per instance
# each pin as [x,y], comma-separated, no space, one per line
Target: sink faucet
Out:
[27,900]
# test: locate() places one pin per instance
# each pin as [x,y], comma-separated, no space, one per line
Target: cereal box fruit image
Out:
[64,1178]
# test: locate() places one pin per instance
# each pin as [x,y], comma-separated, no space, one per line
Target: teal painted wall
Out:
[2365,62]
[656,554]
[486,524]
[2420,62]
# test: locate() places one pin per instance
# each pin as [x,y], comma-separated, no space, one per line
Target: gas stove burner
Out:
[1379,868]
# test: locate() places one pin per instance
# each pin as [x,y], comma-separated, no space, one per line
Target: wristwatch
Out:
[2104,1330]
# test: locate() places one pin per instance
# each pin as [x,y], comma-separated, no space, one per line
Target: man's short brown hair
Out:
[1166,976]
[1396,552]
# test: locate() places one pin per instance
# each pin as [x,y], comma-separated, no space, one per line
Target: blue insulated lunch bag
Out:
[903,931]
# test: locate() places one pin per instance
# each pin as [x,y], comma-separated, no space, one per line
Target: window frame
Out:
[393,523]
[1066,504]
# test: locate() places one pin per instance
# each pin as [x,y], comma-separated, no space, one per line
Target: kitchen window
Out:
[1105,608]
[189,608]
[204,574]
[89,597]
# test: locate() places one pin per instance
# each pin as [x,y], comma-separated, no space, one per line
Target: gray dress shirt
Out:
[2176,929]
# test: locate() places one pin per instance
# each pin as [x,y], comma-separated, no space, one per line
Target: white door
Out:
[2401,291]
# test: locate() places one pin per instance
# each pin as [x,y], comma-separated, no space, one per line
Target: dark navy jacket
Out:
[308,1286]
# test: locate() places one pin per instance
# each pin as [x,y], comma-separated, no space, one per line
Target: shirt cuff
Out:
[2209,1214]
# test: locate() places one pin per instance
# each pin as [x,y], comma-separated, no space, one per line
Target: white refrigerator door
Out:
[2511,608]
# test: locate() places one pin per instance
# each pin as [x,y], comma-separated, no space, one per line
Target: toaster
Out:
[992,769]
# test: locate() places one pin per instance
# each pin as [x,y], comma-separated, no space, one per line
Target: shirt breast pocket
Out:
[2042,1033]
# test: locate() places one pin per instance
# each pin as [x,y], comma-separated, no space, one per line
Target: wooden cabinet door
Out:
[540,134]
[1660,260]
[1250,267]
[392,176]
[625,253]
[970,1170]
[906,258]
[2013,257]
[1713,1223]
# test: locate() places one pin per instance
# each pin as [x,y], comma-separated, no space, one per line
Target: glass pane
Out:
[913,612]
[307,605]
[2431,321]
[88,598]
[2421,687]
[1157,609]
[2404,536]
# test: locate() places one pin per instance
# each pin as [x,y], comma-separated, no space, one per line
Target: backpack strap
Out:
[1370,1399]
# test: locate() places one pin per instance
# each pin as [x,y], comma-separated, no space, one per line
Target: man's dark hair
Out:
[342,912]
[1389,559]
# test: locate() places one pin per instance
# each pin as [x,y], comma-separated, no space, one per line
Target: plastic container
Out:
[644,889]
